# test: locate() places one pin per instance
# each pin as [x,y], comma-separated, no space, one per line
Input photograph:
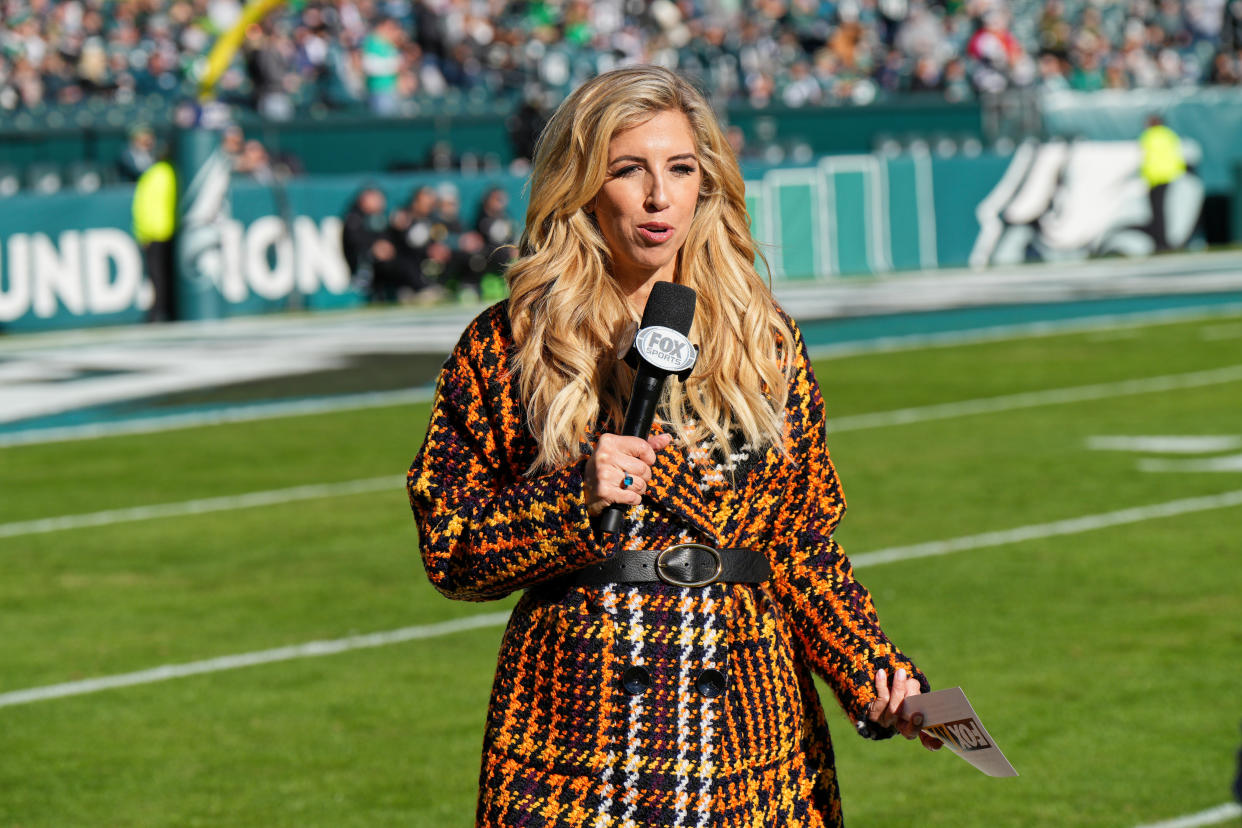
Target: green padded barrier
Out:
[904,214]
[855,221]
[798,238]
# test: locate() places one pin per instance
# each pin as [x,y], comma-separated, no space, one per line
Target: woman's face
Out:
[650,191]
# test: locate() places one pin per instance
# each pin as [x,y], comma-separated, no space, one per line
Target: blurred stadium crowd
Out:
[396,56]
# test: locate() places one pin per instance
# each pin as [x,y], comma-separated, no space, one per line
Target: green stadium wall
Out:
[69,260]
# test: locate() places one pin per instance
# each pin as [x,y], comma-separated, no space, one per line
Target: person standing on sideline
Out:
[155,223]
[628,691]
[1162,164]
[369,252]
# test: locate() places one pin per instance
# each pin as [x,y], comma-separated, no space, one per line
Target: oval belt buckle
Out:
[665,571]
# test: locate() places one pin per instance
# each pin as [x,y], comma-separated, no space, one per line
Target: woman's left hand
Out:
[886,709]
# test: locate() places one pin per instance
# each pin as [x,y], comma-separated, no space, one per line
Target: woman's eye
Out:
[683,169]
[624,171]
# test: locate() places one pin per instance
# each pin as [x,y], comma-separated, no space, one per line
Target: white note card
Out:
[948,716]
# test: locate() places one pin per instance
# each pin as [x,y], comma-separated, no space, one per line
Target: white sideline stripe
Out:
[1212,816]
[1069,526]
[311,649]
[200,506]
[235,414]
[1033,399]
[340,645]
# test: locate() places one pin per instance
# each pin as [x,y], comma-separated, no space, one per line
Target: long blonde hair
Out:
[567,311]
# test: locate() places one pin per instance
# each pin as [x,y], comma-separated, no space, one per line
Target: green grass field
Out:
[1104,662]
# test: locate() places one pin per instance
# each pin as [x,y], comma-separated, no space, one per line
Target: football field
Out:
[229,624]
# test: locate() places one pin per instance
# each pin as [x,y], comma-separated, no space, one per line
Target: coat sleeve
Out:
[486,530]
[834,623]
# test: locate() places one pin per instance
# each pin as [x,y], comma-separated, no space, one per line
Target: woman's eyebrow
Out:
[685,156]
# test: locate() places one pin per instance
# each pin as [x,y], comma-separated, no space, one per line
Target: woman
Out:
[621,699]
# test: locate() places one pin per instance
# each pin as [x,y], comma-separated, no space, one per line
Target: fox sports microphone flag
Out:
[661,347]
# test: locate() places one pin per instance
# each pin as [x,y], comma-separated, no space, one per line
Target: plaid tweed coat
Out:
[573,738]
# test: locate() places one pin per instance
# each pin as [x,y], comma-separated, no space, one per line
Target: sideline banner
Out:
[247,247]
[71,261]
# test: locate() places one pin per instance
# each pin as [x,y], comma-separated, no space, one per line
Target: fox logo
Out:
[964,735]
[665,348]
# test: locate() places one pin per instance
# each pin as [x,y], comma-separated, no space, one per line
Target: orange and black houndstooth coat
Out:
[569,741]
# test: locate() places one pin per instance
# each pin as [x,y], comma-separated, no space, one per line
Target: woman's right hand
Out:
[614,458]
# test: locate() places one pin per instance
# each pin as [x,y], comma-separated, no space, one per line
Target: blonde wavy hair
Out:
[567,311]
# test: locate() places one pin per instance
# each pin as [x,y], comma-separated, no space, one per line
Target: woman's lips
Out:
[655,232]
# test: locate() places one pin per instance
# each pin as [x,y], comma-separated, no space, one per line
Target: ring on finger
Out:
[627,481]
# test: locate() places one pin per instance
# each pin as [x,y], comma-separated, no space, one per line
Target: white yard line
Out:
[1212,816]
[200,506]
[1034,399]
[310,649]
[1038,531]
[1085,523]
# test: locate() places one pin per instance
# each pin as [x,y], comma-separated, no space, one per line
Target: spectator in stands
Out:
[267,60]
[800,87]
[158,77]
[1052,72]
[356,53]
[138,155]
[1225,70]
[956,84]
[1087,76]
[996,52]
[381,60]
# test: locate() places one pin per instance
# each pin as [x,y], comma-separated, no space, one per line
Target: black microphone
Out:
[660,348]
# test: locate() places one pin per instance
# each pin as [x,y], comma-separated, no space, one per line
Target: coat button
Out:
[711,683]
[636,681]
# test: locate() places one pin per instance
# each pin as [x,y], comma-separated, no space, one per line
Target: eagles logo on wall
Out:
[1065,201]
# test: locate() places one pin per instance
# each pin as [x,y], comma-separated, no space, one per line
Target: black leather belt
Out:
[682,564]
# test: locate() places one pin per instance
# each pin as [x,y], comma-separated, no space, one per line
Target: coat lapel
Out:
[675,488]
